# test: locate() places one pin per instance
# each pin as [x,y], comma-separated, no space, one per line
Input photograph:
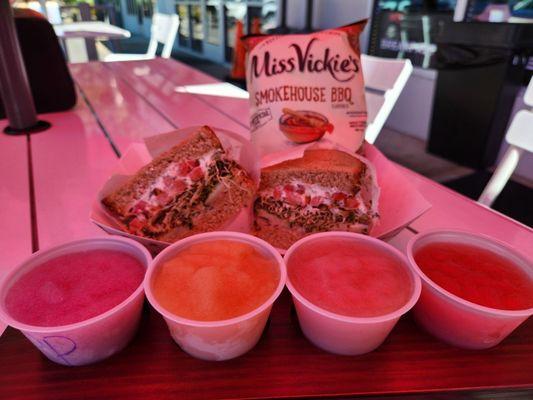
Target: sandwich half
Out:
[191,188]
[325,190]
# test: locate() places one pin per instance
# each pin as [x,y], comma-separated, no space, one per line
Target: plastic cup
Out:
[457,321]
[217,340]
[341,334]
[96,338]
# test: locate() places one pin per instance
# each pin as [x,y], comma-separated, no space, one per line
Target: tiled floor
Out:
[411,152]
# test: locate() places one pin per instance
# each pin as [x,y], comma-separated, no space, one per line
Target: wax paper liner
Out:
[139,154]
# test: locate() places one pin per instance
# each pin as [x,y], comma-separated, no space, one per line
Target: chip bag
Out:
[306,88]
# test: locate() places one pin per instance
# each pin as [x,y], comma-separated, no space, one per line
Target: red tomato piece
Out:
[193,163]
[196,174]
[277,193]
[296,199]
[136,224]
[300,189]
[163,198]
[316,201]
[339,196]
[351,202]
[140,206]
[168,181]
[288,188]
[184,168]
[179,186]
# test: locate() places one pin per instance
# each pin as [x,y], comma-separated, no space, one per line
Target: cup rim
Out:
[32,259]
[415,280]
[209,236]
[510,253]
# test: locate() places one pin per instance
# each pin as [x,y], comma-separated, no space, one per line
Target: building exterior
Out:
[207,27]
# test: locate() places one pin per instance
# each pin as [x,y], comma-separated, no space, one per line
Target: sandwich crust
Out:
[329,168]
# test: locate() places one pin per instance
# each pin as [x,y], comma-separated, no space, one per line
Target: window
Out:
[131,7]
[196,21]
[499,11]
[213,24]
[183,32]
[407,28]
[254,16]
[190,32]
[205,20]
[234,12]
[148,8]
[267,13]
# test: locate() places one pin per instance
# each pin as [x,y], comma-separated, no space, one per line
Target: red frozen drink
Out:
[351,278]
[477,275]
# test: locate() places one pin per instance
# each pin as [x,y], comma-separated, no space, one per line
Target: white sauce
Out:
[172,172]
[316,190]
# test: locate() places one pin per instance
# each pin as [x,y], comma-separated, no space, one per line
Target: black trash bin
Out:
[481,67]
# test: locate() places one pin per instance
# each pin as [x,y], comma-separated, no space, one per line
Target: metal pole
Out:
[309,16]
[283,22]
[14,86]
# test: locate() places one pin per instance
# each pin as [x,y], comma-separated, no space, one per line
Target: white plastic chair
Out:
[50,9]
[163,30]
[520,139]
[384,81]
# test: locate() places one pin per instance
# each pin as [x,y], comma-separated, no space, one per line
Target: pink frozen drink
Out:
[74,287]
[349,290]
[349,278]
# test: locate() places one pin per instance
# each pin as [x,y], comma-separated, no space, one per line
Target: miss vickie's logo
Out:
[341,70]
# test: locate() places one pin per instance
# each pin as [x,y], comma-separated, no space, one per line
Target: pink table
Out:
[15,214]
[16,235]
[121,103]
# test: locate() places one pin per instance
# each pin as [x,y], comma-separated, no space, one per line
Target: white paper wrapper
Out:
[138,155]
[400,203]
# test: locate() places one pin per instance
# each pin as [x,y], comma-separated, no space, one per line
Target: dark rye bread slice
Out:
[277,232]
[119,201]
[329,168]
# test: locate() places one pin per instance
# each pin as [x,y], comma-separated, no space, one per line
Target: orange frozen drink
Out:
[215,280]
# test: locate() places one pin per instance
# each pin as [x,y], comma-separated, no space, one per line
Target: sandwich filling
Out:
[316,208]
[181,192]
